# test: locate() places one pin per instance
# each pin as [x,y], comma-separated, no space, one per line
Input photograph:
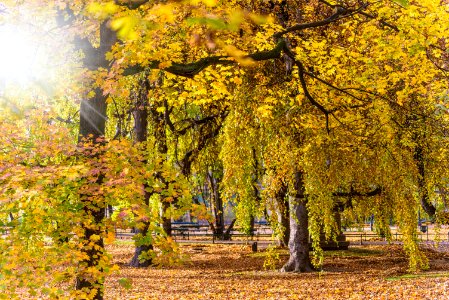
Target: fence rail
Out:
[354,237]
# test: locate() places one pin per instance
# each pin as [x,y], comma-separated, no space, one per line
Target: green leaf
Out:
[403,3]
[211,22]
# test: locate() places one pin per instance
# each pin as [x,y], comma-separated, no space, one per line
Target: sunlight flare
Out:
[20,56]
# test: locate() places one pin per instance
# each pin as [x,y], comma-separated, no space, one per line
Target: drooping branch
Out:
[353,193]
[342,90]
[308,95]
[189,156]
[381,22]
[194,123]
[365,14]
[440,67]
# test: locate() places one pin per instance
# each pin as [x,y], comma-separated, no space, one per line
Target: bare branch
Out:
[131,4]
[338,12]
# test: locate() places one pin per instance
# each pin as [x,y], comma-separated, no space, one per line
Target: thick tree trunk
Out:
[92,125]
[298,244]
[92,129]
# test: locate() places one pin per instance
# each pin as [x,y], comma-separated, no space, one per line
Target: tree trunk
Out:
[92,126]
[424,194]
[166,220]
[227,233]
[92,129]
[283,214]
[158,122]
[298,244]
[218,205]
[140,114]
[139,250]
[252,222]
[109,211]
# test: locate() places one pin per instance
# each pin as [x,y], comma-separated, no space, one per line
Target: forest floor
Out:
[234,272]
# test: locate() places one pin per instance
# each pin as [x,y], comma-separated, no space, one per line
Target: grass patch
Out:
[414,276]
[123,242]
[353,251]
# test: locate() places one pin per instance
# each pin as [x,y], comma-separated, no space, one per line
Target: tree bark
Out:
[218,205]
[166,220]
[139,250]
[283,214]
[140,114]
[298,244]
[424,194]
[92,130]
[227,233]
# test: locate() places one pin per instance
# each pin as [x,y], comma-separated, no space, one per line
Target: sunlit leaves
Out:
[403,3]
[103,10]
[125,27]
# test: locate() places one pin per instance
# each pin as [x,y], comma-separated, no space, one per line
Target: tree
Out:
[327,86]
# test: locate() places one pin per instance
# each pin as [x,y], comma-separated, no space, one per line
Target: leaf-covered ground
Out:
[234,272]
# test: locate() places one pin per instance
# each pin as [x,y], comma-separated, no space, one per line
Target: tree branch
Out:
[339,11]
[191,69]
[131,4]
[190,155]
[352,193]
[308,95]
[194,123]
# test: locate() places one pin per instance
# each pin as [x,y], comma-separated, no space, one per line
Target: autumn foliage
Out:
[295,111]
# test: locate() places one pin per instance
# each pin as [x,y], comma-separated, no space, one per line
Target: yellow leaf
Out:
[95,237]
[237,80]
[165,64]
[125,27]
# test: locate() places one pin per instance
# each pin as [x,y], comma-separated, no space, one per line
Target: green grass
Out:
[124,242]
[412,276]
[353,251]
